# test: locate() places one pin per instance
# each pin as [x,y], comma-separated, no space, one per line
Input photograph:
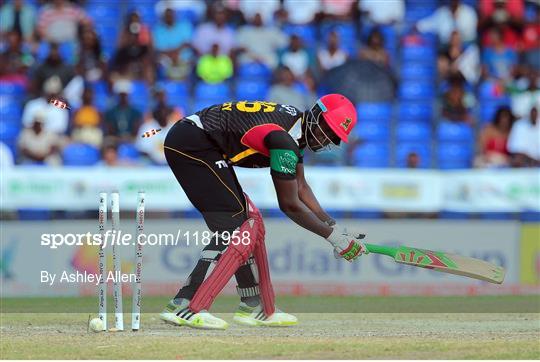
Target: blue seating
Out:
[147,13]
[380,112]
[454,155]
[420,54]
[104,13]
[174,89]
[10,111]
[372,154]
[416,91]
[34,214]
[219,92]
[413,132]
[416,111]
[372,131]
[418,72]
[423,150]
[9,129]
[455,132]
[346,33]
[80,154]
[254,71]
[188,15]
[251,90]
[140,95]
[127,151]
[203,103]
[12,89]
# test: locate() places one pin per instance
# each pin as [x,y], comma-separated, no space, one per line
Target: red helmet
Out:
[339,113]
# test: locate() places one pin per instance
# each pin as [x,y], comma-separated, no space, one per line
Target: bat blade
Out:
[450,263]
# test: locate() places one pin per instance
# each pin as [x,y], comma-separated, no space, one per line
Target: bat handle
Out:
[379,249]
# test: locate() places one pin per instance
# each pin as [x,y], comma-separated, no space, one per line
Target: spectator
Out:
[285,92]
[109,155]
[296,57]
[53,66]
[524,141]
[172,43]
[413,160]
[447,63]
[375,51]
[332,56]
[531,41]
[87,122]
[6,156]
[134,25]
[215,68]
[133,58]
[447,18]
[499,60]
[339,10]
[507,16]
[266,9]
[386,12]
[16,16]
[153,147]
[37,145]
[454,106]
[213,32]
[59,21]
[525,91]
[171,36]
[90,61]
[309,12]
[55,119]
[15,60]
[493,140]
[260,43]
[195,7]
[122,120]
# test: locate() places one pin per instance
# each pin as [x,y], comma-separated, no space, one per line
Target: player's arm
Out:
[308,198]
[284,159]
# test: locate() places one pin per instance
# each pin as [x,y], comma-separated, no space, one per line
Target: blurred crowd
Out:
[464,76]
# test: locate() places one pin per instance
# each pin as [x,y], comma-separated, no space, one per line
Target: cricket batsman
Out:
[201,150]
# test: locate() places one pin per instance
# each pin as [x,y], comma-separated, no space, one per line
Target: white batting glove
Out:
[347,244]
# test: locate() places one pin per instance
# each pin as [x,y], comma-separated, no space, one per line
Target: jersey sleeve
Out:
[284,154]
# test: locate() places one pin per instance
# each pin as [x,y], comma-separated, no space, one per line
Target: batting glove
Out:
[347,244]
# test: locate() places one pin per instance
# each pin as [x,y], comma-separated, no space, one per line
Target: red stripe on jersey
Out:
[254,137]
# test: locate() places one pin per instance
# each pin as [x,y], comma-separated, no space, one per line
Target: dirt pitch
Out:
[318,336]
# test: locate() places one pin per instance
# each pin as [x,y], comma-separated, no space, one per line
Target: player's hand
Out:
[347,244]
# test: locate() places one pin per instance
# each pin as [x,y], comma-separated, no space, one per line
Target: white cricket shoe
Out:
[182,316]
[254,316]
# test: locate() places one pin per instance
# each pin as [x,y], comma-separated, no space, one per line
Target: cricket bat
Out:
[442,262]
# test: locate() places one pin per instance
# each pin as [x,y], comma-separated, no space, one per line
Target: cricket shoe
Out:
[254,316]
[180,315]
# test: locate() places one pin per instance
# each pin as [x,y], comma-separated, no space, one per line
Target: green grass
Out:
[470,332]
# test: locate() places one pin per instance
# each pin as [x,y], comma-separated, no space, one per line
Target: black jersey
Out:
[240,129]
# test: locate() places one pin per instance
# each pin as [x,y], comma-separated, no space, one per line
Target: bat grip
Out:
[379,249]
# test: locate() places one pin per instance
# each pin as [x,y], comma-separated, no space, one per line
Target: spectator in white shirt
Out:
[214,32]
[266,9]
[332,56]
[296,57]
[153,147]
[446,19]
[37,145]
[260,43]
[385,12]
[524,141]
[303,12]
[55,119]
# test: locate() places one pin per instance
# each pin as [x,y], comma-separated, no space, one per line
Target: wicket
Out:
[117,284]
